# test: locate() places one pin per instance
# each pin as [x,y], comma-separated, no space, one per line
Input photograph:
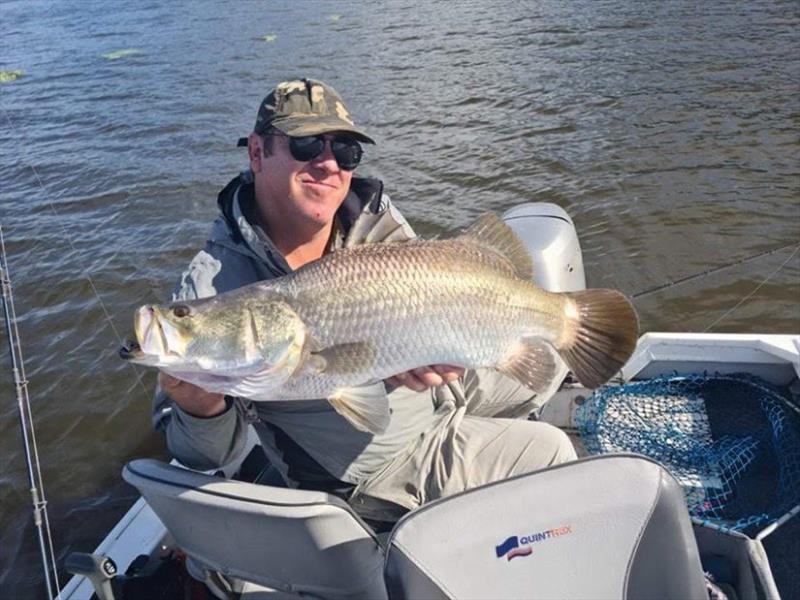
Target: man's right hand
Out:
[192,399]
[424,378]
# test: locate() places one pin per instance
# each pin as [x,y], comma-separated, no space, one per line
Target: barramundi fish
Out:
[339,326]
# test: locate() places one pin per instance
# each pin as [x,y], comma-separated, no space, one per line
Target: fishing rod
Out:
[40,518]
[694,276]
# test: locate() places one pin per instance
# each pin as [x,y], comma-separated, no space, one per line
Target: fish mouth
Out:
[131,351]
[151,345]
[149,332]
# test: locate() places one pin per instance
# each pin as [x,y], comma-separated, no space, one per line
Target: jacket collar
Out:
[236,203]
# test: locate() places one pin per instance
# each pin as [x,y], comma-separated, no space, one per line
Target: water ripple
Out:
[667,130]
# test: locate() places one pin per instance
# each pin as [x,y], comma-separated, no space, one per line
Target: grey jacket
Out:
[309,443]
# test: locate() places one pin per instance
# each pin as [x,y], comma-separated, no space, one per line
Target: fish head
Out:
[219,335]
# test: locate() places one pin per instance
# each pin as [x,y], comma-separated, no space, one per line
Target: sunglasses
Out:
[346,150]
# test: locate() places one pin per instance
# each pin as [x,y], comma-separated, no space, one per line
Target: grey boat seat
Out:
[611,526]
[271,542]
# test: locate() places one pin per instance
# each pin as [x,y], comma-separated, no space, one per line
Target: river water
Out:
[668,131]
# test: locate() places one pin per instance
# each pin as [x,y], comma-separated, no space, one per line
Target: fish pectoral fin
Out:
[492,232]
[365,407]
[343,359]
[531,362]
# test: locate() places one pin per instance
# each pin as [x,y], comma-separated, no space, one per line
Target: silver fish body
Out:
[413,304]
[360,315]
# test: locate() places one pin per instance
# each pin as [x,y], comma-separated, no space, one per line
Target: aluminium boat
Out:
[643,513]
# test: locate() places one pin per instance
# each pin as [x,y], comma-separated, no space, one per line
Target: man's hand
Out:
[422,378]
[192,399]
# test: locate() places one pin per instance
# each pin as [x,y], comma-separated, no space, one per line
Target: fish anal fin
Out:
[365,407]
[344,358]
[490,231]
[531,362]
[602,336]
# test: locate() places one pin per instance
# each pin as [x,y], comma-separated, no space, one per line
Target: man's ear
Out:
[255,150]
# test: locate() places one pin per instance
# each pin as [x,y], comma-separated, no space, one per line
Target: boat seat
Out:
[612,526]
[290,543]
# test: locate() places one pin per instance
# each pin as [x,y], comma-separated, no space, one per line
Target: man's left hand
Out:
[423,378]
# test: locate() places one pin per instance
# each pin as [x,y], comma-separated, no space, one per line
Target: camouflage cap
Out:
[305,107]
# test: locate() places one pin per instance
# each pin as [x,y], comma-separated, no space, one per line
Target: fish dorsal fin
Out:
[490,231]
[386,226]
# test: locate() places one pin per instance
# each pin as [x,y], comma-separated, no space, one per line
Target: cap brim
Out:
[242,143]
[299,126]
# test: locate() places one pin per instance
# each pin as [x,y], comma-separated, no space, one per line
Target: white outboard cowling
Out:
[550,238]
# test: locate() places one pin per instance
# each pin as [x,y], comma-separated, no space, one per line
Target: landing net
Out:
[731,441]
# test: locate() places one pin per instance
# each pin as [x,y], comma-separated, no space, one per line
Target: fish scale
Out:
[402,298]
[338,326]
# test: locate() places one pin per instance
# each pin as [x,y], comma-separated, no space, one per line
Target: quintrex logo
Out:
[521,546]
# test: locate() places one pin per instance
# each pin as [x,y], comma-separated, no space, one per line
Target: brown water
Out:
[669,131]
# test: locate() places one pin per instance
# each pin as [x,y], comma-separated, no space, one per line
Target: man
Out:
[298,201]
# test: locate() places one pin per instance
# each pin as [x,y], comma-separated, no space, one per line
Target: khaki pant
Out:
[464,450]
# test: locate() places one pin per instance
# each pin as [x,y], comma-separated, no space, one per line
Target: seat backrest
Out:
[291,540]
[603,527]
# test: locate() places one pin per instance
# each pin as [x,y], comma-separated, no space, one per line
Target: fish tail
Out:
[600,336]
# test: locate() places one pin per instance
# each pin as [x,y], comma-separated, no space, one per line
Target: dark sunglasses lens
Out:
[306,148]
[347,153]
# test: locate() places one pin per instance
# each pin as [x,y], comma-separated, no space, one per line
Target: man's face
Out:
[309,191]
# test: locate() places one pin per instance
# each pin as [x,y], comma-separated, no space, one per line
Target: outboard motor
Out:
[549,235]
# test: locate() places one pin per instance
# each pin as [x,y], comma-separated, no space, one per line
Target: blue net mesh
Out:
[731,441]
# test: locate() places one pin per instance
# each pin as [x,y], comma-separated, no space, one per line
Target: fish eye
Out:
[180,310]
